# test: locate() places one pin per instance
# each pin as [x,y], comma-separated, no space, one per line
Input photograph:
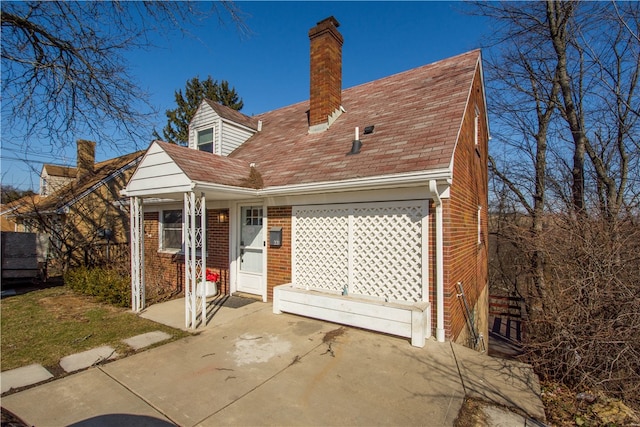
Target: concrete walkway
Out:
[33,374]
[251,367]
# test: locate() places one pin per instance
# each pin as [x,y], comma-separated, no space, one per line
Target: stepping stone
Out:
[78,361]
[145,340]
[24,376]
[500,417]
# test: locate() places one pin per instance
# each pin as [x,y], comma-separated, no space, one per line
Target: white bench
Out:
[411,320]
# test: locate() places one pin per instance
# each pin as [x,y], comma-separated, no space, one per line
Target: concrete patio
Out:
[248,366]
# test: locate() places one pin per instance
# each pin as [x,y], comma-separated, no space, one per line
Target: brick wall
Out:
[218,246]
[465,257]
[164,272]
[279,258]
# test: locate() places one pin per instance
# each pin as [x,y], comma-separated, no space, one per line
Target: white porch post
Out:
[202,238]
[194,262]
[136,216]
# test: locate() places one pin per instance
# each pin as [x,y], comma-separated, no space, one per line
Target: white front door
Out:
[251,250]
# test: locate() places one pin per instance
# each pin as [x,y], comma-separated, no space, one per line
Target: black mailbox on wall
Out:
[275,236]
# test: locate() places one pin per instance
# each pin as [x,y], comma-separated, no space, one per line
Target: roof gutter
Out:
[193,186]
[412,179]
[433,187]
[220,188]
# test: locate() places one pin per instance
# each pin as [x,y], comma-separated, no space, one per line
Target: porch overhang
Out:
[166,172]
[211,190]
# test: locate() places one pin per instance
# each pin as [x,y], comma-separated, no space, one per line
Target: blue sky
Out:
[269,67]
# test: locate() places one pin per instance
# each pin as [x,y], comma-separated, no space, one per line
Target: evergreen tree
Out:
[229,97]
[177,129]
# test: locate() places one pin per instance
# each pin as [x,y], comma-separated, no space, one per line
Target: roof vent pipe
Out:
[357,144]
[355,147]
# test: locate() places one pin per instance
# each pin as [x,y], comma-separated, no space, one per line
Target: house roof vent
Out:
[356,145]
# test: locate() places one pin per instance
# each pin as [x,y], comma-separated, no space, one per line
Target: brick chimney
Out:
[326,74]
[86,157]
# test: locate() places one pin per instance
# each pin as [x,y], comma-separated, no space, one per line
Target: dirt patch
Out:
[565,407]
[332,335]
[470,414]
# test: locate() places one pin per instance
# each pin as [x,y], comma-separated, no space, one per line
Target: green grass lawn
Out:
[46,325]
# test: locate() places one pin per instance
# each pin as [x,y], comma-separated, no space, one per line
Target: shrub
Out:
[587,335]
[106,284]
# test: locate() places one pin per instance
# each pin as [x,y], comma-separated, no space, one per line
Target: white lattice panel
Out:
[373,250]
[321,247]
[387,252]
[194,231]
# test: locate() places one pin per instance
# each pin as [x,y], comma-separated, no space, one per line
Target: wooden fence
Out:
[107,254]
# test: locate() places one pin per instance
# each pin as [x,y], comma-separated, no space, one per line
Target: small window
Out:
[479,225]
[205,140]
[171,230]
[253,216]
[476,127]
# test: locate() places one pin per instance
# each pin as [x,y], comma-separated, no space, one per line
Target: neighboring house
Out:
[7,222]
[365,206]
[80,208]
[54,177]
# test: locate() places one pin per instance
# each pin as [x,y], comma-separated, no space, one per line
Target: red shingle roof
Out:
[207,167]
[233,115]
[417,116]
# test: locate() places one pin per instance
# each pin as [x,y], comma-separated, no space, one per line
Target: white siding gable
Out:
[227,135]
[232,137]
[157,173]
[205,118]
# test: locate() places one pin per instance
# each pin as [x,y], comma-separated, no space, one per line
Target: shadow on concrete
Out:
[122,420]
[227,301]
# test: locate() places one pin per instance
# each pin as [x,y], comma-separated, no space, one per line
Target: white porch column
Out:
[195,264]
[136,216]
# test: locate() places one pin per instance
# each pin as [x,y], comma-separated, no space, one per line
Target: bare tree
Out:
[64,70]
[562,91]
[598,59]
[591,50]
[525,85]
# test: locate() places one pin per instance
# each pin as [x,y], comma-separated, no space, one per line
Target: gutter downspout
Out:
[439,262]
